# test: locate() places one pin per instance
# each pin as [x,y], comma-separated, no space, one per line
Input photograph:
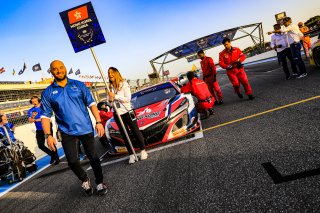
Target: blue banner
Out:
[206,42]
[82,26]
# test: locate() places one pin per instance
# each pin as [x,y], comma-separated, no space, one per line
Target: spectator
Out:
[280,44]
[294,36]
[200,90]
[120,91]
[34,115]
[210,76]
[306,43]
[9,127]
[69,100]
[231,59]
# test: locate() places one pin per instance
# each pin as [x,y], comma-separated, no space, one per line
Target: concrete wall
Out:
[27,134]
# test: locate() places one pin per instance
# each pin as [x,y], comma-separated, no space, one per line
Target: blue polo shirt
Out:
[69,104]
[38,111]
[8,126]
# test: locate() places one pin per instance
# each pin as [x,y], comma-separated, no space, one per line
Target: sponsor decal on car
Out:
[146,110]
[149,116]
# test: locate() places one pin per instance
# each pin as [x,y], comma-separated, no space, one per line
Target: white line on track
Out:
[197,136]
[24,180]
[274,70]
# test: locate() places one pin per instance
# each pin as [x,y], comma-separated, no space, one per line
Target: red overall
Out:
[210,77]
[199,89]
[228,60]
[105,116]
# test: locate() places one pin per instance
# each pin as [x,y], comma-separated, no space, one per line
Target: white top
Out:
[293,33]
[279,39]
[123,95]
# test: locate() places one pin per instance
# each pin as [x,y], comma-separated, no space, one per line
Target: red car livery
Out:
[163,114]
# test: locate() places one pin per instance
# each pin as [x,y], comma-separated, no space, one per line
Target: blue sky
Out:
[136,31]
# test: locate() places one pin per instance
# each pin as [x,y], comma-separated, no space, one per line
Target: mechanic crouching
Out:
[200,90]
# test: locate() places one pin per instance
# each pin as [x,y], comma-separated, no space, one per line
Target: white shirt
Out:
[293,33]
[123,95]
[279,39]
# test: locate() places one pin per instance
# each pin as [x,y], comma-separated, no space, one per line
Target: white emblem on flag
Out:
[77,15]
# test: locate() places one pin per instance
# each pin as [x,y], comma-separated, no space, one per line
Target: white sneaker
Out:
[102,189]
[144,155]
[132,159]
[302,75]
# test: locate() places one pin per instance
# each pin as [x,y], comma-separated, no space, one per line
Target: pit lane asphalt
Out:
[265,163]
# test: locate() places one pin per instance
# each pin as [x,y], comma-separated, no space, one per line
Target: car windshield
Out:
[153,96]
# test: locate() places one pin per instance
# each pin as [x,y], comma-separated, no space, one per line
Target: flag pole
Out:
[113,103]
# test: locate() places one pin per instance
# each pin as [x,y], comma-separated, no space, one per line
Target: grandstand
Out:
[15,95]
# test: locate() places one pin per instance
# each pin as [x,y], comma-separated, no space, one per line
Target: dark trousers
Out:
[133,125]
[283,55]
[41,141]
[296,54]
[70,145]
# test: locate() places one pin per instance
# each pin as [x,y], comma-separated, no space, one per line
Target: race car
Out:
[315,54]
[163,114]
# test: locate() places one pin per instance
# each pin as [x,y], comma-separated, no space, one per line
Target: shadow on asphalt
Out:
[278,178]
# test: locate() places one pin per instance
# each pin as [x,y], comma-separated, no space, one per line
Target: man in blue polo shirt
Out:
[69,100]
[34,115]
[6,128]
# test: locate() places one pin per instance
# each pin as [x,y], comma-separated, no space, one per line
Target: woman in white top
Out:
[120,91]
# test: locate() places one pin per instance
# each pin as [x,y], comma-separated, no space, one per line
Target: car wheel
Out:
[316,55]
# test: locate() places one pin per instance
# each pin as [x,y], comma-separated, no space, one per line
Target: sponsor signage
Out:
[192,58]
[280,17]
[82,26]
[206,42]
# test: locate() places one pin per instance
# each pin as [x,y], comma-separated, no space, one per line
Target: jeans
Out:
[70,145]
[296,54]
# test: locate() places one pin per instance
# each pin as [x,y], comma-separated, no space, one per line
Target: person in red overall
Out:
[231,59]
[210,76]
[105,114]
[199,89]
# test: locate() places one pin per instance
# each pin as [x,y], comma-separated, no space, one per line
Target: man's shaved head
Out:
[58,70]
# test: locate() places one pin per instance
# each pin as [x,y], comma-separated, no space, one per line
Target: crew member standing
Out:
[294,35]
[69,100]
[306,43]
[231,59]
[280,44]
[34,115]
[210,76]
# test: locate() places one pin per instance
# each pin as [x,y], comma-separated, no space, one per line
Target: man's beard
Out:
[61,79]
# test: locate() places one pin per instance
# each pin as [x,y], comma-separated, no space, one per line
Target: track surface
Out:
[268,162]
